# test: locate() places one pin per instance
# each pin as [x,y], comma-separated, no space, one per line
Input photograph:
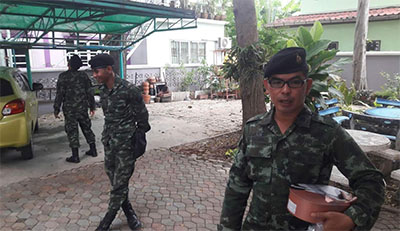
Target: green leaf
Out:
[318,76]
[304,37]
[316,31]
[291,43]
[316,47]
[319,86]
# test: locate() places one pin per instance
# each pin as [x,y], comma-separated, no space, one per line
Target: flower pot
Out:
[204,15]
[146,98]
[145,85]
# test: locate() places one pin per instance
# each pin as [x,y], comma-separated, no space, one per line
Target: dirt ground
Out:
[215,148]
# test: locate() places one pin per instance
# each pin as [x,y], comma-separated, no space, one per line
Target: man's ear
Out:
[309,85]
[266,86]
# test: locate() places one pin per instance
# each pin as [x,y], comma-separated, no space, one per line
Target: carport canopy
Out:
[85,20]
[113,24]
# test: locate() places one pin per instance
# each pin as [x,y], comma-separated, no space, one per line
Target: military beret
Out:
[75,62]
[101,61]
[288,60]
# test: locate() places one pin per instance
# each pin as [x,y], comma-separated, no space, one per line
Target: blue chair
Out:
[331,112]
[387,102]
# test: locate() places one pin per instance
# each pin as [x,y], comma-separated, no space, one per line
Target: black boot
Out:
[92,151]
[107,220]
[75,156]
[133,221]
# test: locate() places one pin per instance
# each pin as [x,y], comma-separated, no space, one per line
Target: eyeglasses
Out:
[295,82]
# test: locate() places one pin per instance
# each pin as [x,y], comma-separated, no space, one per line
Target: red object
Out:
[337,16]
[14,107]
[302,203]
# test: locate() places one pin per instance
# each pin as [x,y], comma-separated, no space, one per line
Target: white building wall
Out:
[159,43]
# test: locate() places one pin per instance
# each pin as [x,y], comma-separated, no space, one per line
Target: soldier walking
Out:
[125,125]
[74,92]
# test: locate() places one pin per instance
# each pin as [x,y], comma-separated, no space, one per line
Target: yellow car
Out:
[19,111]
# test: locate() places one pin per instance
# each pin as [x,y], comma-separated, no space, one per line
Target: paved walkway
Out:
[168,191]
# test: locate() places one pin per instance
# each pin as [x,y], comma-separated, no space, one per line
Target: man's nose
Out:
[286,89]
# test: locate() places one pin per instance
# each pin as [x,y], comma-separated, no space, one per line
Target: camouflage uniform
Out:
[74,92]
[268,162]
[124,112]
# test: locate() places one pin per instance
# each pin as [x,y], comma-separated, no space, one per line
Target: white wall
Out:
[159,43]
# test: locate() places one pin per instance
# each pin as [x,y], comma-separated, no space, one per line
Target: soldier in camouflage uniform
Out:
[290,144]
[126,116]
[74,92]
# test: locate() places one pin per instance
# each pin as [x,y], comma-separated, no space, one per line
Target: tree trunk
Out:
[360,41]
[251,87]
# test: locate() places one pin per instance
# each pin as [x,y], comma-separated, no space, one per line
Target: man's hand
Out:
[91,113]
[334,221]
[56,115]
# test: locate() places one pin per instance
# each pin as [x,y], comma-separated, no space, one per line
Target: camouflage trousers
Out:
[71,128]
[119,163]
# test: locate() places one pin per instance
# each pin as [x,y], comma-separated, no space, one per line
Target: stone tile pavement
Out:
[168,192]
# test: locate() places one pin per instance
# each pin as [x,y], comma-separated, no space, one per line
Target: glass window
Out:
[185,52]
[175,52]
[202,51]
[5,88]
[180,52]
[194,52]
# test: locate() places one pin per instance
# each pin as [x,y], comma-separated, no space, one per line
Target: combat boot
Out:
[107,220]
[75,156]
[92,151]
[133,221]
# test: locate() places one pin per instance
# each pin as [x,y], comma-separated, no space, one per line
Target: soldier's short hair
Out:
[75,62]
[101,61]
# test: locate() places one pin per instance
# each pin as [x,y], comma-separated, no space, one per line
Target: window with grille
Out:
[187,52]
[19,57]
[333,45]
[373,45]
[85,55]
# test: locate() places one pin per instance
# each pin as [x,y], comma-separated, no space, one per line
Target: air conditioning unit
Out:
[224,43]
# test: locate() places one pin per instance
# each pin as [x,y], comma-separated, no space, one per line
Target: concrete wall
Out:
[376,63]
[159,44]
[324,6]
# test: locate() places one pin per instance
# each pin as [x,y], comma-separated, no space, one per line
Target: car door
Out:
[29,96]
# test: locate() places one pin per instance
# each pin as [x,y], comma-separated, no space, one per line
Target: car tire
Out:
[27,151]
[36,126]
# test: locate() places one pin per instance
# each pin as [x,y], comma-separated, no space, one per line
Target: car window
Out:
[5,88]
[22,82]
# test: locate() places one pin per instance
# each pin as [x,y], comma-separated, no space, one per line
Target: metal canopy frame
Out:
[116,24]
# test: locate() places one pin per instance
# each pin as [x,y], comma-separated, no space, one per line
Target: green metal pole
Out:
[28,67]
[121,64]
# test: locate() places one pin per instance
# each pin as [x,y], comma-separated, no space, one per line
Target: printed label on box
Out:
[291,206]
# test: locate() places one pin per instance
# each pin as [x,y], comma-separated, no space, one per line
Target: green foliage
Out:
[247,61]
[317,58]
[232,152]
[391,89]
[346,95]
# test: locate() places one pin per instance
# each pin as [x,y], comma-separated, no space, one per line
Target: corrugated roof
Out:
[36,18]
[338,17]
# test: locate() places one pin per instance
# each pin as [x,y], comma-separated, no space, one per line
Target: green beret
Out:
[101,61]
[288,60]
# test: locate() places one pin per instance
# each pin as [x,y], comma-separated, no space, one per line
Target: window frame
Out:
[191,59]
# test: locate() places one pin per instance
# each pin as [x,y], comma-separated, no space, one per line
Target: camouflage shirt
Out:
[268,162]
[74,92]
[123,108]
